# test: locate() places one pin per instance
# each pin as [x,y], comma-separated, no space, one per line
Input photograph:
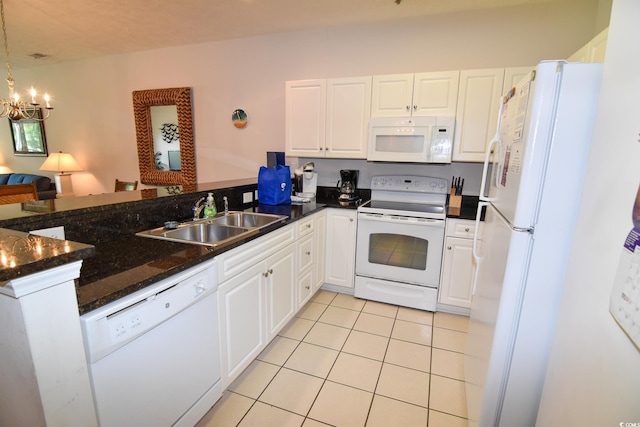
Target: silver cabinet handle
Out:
[308,252]
[408,108]
[415,107]
[448,248]
[466,229]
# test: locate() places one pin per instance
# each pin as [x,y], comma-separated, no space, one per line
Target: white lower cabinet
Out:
[320,242]
[458,267]
[263,285]
[242,322]
[340,250]
[280,284]
[311,263]
[255,306]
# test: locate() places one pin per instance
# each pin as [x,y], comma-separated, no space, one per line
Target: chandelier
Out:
[14,107]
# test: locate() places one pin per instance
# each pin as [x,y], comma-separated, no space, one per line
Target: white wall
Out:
[93,118]
[594,371]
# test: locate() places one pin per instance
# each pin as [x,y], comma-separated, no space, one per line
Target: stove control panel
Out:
[412,183]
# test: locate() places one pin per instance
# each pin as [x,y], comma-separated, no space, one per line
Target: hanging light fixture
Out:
[14,107]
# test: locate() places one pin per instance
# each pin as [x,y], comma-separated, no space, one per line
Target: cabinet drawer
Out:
[462,228]
[239,259]
[305,253]
[305,226]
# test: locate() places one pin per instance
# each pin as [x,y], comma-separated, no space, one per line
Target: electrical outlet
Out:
[247,198]
[53,232]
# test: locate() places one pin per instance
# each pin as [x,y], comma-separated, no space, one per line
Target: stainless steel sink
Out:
[246,219]
[204,233]
[218,231]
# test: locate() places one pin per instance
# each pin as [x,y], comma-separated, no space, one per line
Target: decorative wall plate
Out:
[239,118]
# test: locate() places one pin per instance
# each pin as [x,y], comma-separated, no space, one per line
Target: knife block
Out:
[454,203]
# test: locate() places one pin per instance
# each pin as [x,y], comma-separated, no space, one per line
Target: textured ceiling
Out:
[67,30]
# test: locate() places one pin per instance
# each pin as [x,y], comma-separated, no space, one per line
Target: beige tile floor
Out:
[348,362]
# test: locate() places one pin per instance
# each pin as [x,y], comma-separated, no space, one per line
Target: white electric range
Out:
[400,239]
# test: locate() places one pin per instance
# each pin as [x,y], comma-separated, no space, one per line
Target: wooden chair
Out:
[18,193]
[126,186]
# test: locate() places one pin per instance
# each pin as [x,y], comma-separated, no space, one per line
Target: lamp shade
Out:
[60,162]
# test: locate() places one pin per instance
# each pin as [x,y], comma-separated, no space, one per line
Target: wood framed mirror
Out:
[152,166]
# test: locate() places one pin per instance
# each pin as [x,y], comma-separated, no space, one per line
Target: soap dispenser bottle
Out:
[210,207]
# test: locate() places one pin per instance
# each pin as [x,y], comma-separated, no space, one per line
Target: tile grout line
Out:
[381,367]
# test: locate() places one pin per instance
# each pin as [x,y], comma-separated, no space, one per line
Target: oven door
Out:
[400,248]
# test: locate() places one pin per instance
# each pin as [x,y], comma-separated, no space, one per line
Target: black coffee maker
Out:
[348,185]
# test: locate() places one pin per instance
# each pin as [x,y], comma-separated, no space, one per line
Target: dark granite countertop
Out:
[22,254]
[122,264]
[468,208]
[131,263]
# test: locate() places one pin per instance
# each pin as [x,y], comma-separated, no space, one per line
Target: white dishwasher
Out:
[154,356]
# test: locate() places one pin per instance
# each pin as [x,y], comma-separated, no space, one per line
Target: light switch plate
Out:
[247,198]
[53,232]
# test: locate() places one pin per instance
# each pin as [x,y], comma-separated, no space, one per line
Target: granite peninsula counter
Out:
[100,230]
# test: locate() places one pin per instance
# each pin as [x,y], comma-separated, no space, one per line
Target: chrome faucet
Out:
[197,209]
[226,205]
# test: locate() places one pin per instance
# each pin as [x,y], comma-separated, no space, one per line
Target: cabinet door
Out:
[305,109]
[280,277]
[458,273]
[598,46]
[477,113]
[435,94]
[242,329]
[392,95]
[348,112]
[513,75]
[320,241]
[340,247]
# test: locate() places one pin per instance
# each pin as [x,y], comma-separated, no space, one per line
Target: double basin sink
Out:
[215,232]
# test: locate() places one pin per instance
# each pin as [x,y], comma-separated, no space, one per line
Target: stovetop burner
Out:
[407,195]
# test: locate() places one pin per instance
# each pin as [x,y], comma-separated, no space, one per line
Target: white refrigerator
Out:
[531,191]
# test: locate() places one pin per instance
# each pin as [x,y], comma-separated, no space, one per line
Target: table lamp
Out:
[62,163]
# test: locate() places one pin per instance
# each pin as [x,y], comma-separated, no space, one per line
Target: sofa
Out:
[46,188]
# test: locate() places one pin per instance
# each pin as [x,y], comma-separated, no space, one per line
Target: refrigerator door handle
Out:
[485,168]
[476,256]
[496,140]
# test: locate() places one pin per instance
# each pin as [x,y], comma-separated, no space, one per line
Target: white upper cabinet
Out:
[513,75]
[305,104]
[423,94]
[348,112]
[477,113]
[392,95]
[593,51]
[598,46]
[328,118]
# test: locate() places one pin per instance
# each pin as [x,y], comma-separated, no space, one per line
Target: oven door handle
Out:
[396,219]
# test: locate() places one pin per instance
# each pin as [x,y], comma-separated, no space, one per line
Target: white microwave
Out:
[411,139]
